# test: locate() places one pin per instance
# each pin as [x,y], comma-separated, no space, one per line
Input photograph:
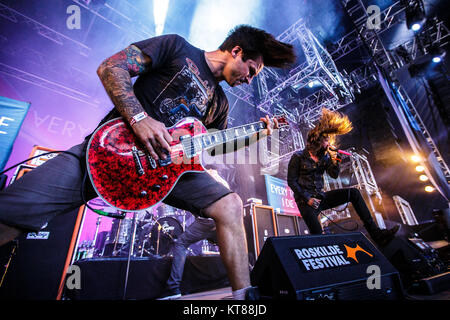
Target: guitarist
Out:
[175,80]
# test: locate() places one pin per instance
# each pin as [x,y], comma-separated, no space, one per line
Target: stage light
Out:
[212,20]
[420,168]
[415,14]
[437,59]
[159,14]
[437,53]
[314,83]
[429,189]
[415,158]
[423,177]
[416,27]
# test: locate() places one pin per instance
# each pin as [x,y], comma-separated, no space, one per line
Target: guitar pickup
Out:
[137,161]
[165,162]
[152,161]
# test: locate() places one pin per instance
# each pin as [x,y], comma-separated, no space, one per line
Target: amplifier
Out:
[36,263]
[286,225]
[260,224]
[332,267]
[302,227]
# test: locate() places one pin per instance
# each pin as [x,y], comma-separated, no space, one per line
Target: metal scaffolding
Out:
[289,141]
[319,66]
[41,29]
[435,33]
[358,166]
[405,211]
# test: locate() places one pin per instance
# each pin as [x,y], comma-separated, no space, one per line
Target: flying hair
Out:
[331,124]
[256,42]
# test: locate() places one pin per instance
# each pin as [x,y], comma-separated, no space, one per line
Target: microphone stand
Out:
[130,252]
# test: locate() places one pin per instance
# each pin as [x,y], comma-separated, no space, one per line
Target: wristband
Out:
[138,117]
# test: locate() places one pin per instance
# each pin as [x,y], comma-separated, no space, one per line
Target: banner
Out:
[12,114]
[280,196]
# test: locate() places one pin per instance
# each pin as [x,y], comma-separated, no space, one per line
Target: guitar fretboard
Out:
[196,144]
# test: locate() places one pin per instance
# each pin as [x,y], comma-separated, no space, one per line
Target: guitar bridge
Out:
[137,161]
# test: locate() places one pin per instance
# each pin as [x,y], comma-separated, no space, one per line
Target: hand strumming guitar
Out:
[154,136]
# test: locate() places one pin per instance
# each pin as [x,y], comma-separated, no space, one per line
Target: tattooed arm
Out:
[115,74]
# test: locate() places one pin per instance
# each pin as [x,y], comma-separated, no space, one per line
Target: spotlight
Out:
[415,14]
[423,177]
[429,189]
[420,168]
[313,83]
[437,59]
[416,27]
[437,53]
[415,158]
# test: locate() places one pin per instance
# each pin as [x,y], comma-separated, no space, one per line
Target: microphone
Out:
[339,151]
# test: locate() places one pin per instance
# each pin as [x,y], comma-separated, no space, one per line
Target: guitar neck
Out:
[216,138]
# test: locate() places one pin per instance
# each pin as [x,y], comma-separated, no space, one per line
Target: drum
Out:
[120,231]
[165,210]
[162,235]
[118,237]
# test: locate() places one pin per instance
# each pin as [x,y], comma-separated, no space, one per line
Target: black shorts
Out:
[196,191]
[54,188]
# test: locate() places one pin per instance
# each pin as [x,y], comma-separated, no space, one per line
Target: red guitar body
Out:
[125,177]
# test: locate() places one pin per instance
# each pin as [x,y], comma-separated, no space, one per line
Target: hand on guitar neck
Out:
[270,126]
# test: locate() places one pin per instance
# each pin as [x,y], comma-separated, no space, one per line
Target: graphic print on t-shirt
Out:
[192,99]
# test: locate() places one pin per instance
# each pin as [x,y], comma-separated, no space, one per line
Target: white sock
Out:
[239,294]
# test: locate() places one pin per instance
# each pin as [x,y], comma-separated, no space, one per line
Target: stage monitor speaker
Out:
[286,224]
[34,266]
[329,267]
[302,227]
[260,224]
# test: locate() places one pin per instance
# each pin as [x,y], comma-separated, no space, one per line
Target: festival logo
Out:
[331,256]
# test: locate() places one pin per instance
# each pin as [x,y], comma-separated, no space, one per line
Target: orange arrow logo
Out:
[351,252]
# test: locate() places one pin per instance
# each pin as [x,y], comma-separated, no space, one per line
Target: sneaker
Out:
[252,293]
[383,236]
[171,294]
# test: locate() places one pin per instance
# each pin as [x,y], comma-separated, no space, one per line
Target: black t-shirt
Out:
[179,84]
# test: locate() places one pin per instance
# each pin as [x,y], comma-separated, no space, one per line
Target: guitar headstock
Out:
[282,121]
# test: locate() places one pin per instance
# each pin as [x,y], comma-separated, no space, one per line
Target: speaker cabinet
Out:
[260,224]
[332,267]
[302,227]
[36,263]
[287,225]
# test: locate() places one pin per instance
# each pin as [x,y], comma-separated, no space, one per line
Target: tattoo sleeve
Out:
[115,74]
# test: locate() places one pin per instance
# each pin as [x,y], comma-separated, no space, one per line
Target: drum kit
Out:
[152,235]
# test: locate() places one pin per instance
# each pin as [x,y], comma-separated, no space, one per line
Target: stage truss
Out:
[338,88]
[357,174]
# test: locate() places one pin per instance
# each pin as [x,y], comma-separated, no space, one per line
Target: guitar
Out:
[127,178]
